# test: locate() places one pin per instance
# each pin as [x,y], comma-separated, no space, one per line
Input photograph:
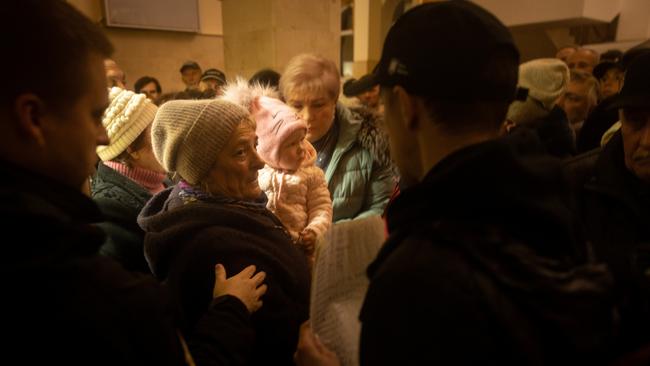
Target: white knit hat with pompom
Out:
[125,118]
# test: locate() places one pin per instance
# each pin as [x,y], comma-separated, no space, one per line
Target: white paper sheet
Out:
[340,283]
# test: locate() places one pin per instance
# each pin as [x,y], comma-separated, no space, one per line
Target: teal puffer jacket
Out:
[359,176]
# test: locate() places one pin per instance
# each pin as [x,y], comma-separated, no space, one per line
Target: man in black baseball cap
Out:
[481,265]
[616,203]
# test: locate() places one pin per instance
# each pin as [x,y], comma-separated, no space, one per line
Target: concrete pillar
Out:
[367,35]
[268,33]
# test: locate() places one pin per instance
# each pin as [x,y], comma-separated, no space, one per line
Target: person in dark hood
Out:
[217,213]
[481,265]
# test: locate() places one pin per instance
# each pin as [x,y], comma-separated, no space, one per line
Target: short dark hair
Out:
[498,71]
[140,83]
[50,45]
[266,77]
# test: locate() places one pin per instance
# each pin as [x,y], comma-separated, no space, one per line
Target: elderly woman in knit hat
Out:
[127,177]
[546,80]
[217,214]
[294,185]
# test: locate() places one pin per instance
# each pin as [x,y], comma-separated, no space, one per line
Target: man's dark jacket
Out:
[62,303]
[614,206]
[481,267]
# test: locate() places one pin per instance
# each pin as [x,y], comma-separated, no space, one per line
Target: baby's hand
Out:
[307,241]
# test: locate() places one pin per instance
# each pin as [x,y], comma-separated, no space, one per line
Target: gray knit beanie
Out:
[546,79]
[187,135]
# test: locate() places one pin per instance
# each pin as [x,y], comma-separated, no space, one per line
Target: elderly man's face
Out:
[213,84]
[635,129]
[582,60]
[317,110]
[191,77]
[577,101]
[234,174]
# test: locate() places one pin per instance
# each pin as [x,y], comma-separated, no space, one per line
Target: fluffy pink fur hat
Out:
[275,120]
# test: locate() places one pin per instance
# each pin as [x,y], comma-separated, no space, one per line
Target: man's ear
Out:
[30,114]
[407,107]
[507,126]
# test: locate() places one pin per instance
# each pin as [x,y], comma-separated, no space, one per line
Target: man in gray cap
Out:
[191,74]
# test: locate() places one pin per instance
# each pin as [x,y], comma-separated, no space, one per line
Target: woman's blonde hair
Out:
[309,74]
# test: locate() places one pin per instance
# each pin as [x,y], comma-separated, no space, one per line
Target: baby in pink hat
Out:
[295,186]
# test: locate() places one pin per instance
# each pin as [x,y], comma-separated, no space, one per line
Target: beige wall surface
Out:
[268,33]
[160,54]
[526,12]
[243,36]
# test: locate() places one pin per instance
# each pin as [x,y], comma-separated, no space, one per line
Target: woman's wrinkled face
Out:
[317,109]
[234,173]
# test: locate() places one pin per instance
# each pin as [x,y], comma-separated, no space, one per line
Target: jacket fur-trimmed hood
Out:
[371,135]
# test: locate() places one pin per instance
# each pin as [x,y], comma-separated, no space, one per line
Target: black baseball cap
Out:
[214,74]
[436,49]
[354,87]
[636,85]
[633,53]
[601,69]
[190,65]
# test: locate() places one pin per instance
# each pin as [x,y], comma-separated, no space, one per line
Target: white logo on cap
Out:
[396,67]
